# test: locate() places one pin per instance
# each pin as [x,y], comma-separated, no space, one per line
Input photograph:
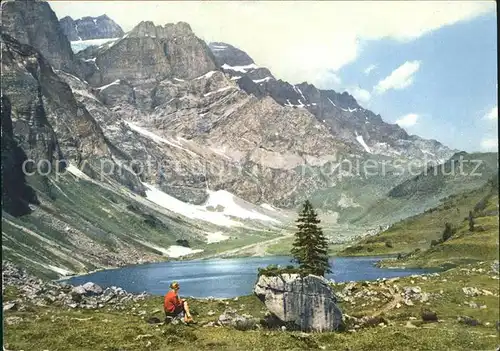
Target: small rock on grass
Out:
[12,306]
[468,321]
[429,316]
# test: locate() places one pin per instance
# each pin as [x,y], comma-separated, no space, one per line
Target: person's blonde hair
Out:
[174,285]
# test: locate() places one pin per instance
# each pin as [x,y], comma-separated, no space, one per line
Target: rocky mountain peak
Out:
[168,31]
[34,23]
[146,29]
[152,51]
[227,54]
[88,27]
[339,112]
[347,100]
[179,29]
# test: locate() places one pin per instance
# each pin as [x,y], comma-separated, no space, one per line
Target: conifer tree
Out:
[310,248]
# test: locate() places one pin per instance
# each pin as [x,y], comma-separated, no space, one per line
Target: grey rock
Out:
[79,290]
[471,291]
[153,320]
[239,322]
[429,316]
[228,54]
[468,321]
[13,320]
[92,289]
[309,302]
[10,306]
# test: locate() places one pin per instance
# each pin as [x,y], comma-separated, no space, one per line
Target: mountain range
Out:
[154,139]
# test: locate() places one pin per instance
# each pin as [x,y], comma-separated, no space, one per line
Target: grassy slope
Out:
[55,328]
[464,246]
[429,188]
[418,231]
[105,217]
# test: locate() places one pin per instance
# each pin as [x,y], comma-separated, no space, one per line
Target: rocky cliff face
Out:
[87,28]
[47,118]
[34,23]
[153,53]
[17,195]
[340,113]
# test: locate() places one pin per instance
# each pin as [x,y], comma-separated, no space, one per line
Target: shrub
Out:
[388,243]
[448,232]
[182,242]
[274,270]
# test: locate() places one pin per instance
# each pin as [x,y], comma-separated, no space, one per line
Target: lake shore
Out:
[402,326]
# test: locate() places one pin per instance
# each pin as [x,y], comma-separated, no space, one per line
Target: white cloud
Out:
[400,78]
[369,69]
[408,120]
[328,80]
[489,144]
[492,114]
[361,95]
[298,41]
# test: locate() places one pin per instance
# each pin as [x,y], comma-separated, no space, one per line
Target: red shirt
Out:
[171,301]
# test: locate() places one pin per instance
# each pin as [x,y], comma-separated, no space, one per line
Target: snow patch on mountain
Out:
[231,208]
[346,202]
[219,90]
[216,237]
[242,69]
[116,82]
[154,137]
[179,251]
[360,140]
[218,209]
[77,173]
[80,45]
[206,75]
[267,79]
[268,207]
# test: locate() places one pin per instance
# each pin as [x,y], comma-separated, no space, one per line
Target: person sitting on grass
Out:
[175,306]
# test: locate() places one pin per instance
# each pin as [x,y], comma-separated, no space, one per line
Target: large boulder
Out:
[308,302]
[92,289]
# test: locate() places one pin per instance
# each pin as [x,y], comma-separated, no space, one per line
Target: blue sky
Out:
[452,90]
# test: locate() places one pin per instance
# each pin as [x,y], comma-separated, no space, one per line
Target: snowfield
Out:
[221,199]
[242,69]
[178,251]
[216,237]
[80,45]
[360,140]
[78,173]
[156,138]
[268,207]
[172,251]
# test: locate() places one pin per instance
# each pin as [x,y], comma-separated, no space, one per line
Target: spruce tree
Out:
[448,232]
[310,248]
